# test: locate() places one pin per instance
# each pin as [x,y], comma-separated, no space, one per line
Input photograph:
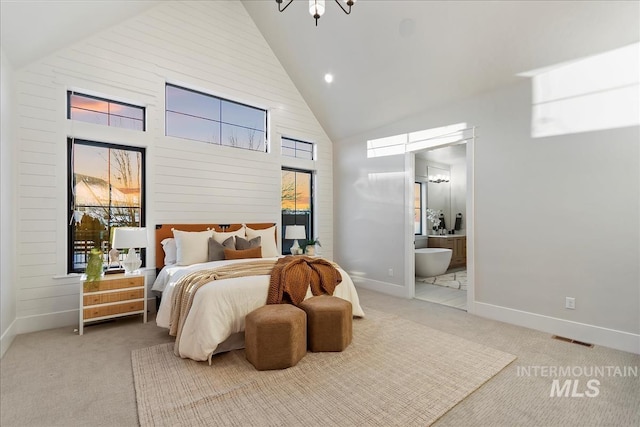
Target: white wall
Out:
[210,46]
[370,209]
[554,217]
[7,209]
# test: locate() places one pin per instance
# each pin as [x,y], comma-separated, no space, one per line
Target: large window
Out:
[297,203]
[102,111]
[417,214]
[295,148]
[106,190]
[207,118]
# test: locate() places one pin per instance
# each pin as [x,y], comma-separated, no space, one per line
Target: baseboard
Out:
[42,322]
[379,286]
[606,337]
[60,319]
[7,338]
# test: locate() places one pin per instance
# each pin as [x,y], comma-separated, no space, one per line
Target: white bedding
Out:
[219,308]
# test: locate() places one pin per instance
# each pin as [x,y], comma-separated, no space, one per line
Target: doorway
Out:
[445,171]
[440,225]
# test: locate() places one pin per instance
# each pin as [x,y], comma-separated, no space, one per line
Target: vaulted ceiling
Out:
[390,58]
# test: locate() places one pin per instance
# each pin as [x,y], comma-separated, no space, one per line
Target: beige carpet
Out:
[395,373]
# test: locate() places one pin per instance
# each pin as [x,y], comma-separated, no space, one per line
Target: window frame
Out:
[218,120]
[71,201]
[70,93]
[310,229]
[296,149]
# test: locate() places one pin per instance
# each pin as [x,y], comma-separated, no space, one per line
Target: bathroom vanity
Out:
[457,243]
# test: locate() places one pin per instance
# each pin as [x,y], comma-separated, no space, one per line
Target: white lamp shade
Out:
[129,237]
[295,232]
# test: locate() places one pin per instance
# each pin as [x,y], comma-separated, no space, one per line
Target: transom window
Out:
[296,148]
[92,109]
[106,190]
[207,118]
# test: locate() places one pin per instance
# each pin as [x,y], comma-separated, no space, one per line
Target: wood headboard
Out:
[164,231]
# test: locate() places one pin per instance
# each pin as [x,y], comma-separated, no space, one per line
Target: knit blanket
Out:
[186,288]
[292,275]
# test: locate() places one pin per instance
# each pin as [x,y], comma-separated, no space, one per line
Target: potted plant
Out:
[310,246]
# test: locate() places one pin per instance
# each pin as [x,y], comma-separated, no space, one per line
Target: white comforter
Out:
[219,308]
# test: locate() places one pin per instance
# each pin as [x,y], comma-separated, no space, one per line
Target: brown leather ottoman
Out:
[329,323]
[275,336]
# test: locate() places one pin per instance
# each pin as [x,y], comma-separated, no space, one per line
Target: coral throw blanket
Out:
[292,276]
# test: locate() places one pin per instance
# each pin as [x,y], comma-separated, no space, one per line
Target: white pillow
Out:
[221,236]
[170,251]
[268,240]
[192,246]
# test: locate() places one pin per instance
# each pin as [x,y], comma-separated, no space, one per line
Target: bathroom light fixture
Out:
[316,7]
[437,179]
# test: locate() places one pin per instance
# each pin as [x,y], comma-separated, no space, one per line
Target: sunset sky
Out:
[302,182]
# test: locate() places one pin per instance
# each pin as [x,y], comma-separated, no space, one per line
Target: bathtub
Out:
[432,261]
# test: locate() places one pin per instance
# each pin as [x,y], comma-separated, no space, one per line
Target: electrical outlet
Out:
[570,303]
[391,272]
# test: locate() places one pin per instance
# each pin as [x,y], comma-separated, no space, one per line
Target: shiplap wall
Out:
[7,209]
[213,47]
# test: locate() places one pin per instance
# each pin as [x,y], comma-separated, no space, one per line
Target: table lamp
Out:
[295,232]
[131,238]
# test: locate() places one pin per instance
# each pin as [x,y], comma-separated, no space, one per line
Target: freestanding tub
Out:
[432,261]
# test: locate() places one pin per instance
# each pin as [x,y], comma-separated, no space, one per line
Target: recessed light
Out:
[328,78]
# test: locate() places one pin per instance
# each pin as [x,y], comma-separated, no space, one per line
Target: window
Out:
[207,118]
[102,111]
[417,214]
[295,148]
[106,190]
[297,203]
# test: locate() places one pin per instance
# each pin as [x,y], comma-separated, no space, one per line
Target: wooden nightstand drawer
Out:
[92,312]
[95,299]
[104,298]
[126,295]
[107,285]
[109,310]
[130,306]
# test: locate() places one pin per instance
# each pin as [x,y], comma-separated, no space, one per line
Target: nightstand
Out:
[114,295]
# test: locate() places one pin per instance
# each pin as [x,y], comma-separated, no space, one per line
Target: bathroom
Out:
[440,218]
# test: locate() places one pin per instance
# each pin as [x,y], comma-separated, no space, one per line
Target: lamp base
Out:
[131,263]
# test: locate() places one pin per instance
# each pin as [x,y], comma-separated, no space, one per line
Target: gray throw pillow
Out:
[216,250]
[243,244]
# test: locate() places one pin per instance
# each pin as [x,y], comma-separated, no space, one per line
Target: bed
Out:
[215,321]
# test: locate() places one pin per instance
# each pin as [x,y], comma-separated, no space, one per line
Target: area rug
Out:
[455,280]
[395,373]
